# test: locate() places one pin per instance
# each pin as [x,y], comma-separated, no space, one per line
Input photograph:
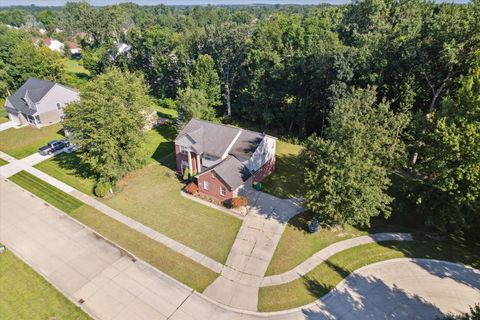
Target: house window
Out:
[223,191]
[207,157]
[205,185]
[58,106]
[37,118]
[183,150]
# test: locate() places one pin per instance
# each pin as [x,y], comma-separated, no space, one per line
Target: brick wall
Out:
[180,156]
[264,171]
[215,182]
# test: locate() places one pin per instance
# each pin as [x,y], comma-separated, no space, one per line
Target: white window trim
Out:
[206,185]
[224,191]
[183,150]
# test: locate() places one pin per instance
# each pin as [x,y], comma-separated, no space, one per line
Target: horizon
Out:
[58,3]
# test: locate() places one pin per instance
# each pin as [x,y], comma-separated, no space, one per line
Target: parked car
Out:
[53,146]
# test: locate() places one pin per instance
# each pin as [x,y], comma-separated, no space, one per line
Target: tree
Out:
[193,103]
[107,124]
[204,77]
[347,172]
[227,42]
[49,20]
[451,156]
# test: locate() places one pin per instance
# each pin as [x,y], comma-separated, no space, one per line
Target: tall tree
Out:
[204,77]
[49,20]
[193,103]
[347,171]
[108,123]
[226,43]
[451,156]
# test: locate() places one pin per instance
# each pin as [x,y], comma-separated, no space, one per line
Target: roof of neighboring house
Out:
[47,41]
[72,45]
[208,137]
[34,90]
[232,172]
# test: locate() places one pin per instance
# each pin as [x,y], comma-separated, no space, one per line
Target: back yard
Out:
[25,141]
[26,295]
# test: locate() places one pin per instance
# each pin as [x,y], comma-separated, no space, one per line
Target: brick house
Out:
[225,159]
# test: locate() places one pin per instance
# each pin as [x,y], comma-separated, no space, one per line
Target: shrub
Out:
[191,188]
[238,202]
[186,174]
[101,189]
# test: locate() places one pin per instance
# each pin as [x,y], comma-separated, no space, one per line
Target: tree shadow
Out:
[72,163]
[286,181]
[366,298]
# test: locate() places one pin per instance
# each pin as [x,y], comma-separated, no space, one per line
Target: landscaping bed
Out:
[327,275]
[25,141]
[161,257]
[27,295]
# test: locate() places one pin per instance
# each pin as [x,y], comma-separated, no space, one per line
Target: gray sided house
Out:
[39,103]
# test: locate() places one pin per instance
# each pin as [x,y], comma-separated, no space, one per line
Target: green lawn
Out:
[68,168]
[327,275]
[77,75]
[3,162]
[287,179]
[172,263]
[26,295]
[297,244]
[152,197]
[25,141]
[47,192]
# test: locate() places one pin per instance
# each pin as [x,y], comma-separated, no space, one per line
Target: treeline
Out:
[379,86]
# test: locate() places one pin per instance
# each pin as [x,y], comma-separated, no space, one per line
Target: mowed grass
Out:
[3,162]
[297,244]
[47,192]
[287,179]
[161,257]
[25,141]
[152,196]
[67,168]
[77,75]
[172,263]
[327,275]
[26,295]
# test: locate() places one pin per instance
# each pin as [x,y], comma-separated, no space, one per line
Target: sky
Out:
[179,2]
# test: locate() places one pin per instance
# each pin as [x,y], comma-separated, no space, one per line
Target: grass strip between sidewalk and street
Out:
[26,295]
[328,274]
[161,257]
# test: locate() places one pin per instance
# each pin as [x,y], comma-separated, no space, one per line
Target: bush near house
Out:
[191,188]
[238,202]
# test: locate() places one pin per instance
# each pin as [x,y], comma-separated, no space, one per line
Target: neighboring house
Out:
[120,48]
[224,159]
[73,47]
[53,45]
[39,102]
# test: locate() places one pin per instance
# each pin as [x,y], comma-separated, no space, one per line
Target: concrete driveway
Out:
[110,286]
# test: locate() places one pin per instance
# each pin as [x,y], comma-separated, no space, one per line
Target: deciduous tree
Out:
[108,123]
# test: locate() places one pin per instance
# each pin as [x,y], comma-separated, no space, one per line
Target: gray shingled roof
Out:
[233,172]
[246,144]
[35,88]
[209,138]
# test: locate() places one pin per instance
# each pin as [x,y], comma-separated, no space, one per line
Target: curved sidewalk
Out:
[322,255]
